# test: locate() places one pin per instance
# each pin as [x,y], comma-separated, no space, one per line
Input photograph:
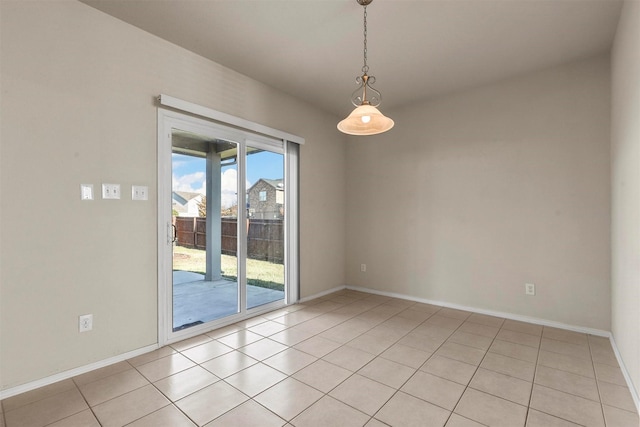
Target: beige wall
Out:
[473,195]
[78,92]
[625,200]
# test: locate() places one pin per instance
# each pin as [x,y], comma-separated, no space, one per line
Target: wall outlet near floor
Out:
[363,267]
[529,289]
[85,322]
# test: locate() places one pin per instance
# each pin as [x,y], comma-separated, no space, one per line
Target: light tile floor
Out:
[350,359]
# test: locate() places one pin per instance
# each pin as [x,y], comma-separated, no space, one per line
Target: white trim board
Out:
[510,316]
[218,116]
[74,372]
[625,373]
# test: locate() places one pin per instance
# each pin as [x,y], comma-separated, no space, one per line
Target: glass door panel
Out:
[204,216]
[265,262]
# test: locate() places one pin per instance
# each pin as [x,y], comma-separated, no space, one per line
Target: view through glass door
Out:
[228,251]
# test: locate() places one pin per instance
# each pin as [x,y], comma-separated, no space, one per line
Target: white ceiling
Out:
[416,48]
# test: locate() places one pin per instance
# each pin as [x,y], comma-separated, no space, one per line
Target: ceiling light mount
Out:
[366,119]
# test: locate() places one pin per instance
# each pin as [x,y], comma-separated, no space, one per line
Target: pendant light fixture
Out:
[366,119]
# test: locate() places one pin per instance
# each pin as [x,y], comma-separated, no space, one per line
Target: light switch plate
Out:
[110,191]
[139,192]
[86,191]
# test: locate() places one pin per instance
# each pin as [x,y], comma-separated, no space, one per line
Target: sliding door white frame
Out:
[168,120]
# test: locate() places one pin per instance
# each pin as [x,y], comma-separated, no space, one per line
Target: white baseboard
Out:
[321,294]
[511,316]
[625,372]
[74,372]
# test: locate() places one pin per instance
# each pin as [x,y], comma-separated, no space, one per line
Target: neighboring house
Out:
[265,199]
[186,203]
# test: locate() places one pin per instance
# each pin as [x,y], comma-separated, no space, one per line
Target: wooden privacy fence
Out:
[265,237]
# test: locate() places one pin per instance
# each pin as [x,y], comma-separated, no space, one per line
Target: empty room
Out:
[319,213]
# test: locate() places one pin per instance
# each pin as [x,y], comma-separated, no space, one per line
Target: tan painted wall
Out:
[473,195]
[625,200]
[78,91]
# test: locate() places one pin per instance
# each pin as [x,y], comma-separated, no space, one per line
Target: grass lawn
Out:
[259,273]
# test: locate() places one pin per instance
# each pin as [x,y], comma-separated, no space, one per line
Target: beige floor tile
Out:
[102,373]
[619,418]
[567,406]
[317,346]
[540,419]
[207,351]
[408,411]
[169,416]
[223,332]
[267,328]
[421,342]
[433,389]
[459,421]
[363,394]
[290,361]
[387,372]
[322,375]
[519,338]
[566,336]
[479,329]
[328,412]
[490,410]
[32,396]
[525,328]
[115,385]
[151,356]
[604,355]
[240,339]
[432,331]
[345,332]
[263,349]
[517,351]
[406,355]
[566,348]
[610,374]
[375,423]
[454,313]
[296,317]
[209,403]
[349,358]
[182,384]
[229,364]
[288,398]
[248,414]
[617,396]
[255,379]
[81,419]
[449,369]
[572,364]
[484,319]
[461,352]
[291,336]
[164,367]
[371,344]
[48,410]
[501,385]
[509,366]
[129,407]
[444,322]
[413,314]
[191,342]
[471,340]
[569,383]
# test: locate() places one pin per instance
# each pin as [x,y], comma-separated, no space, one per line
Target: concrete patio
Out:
[196,300]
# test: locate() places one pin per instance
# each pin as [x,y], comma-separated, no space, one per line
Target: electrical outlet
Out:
[529,289]
[85,322]
[86,191]
[363,267]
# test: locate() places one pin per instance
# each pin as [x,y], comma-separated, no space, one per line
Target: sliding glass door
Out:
[225,256]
